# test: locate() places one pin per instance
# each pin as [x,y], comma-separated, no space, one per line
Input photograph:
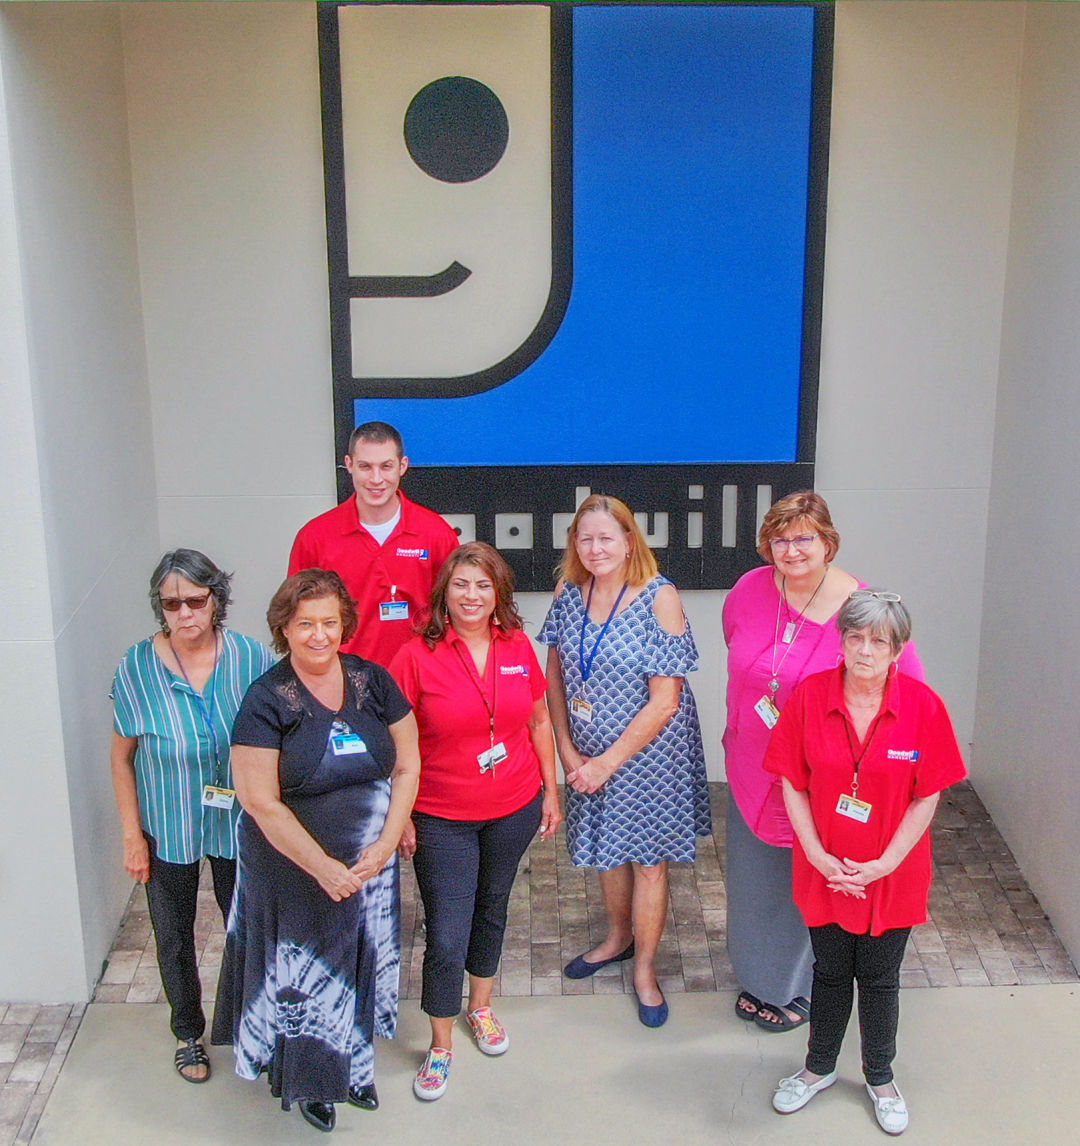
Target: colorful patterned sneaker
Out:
[430,1081]
[488,1031]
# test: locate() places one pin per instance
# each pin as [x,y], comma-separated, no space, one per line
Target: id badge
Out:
[213,797]
[581,708]
[496,754]
[393,610]
[768,711]
[347,744]
[853,808]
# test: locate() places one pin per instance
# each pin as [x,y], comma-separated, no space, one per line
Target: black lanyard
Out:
[200,703]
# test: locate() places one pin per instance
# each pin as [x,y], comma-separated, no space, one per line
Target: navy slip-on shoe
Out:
[652,1016]
[578,968]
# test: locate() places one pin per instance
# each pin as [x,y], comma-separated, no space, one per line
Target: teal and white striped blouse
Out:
[176,754]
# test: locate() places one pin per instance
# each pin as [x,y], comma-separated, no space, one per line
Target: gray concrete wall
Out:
[1027,728]
[80,491]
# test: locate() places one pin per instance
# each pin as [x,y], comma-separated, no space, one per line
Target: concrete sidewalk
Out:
[978,1066]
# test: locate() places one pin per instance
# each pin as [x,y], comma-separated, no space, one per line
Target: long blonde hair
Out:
[642,566]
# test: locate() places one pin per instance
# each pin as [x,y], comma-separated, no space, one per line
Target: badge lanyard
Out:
[766,707]
[584,664]
[857,760]
[791,632]
[489,759]
[851,806]
[207,713]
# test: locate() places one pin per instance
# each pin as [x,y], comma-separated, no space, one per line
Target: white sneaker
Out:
[891,1112]
[794,1093]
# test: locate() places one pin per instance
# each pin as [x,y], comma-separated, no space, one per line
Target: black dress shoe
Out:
[366,1097]
[321,1115]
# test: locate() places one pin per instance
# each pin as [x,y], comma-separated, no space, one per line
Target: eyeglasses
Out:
[876,594]
[802,542]
[172,604]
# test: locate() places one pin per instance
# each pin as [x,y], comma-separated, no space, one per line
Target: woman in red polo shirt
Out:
[864,752]
[487,783]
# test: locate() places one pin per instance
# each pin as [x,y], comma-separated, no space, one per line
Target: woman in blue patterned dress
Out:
[175,697]
[326,763]
[627,731]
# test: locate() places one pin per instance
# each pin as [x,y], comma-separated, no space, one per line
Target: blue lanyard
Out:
[200,703]
[583,664]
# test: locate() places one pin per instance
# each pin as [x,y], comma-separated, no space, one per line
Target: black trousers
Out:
[840,959]
[465,870]
[172,895]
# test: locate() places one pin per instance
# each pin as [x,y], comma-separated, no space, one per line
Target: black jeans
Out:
[465,870]
[839,959]
[172,895]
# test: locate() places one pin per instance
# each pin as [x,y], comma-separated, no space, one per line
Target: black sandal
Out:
[192,1053]
[780,1022]
[745,1013]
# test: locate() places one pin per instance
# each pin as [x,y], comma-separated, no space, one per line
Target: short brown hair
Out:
[376,432]
[308,585]
[806,505]
[642,567]
[482,556]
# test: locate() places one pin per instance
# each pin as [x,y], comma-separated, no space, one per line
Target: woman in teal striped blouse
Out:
[175,698]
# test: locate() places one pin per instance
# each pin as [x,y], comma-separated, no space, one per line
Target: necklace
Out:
[791,630]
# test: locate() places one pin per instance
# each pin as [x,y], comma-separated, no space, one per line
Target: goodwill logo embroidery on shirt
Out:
[419,554]
[514,670]
[896,754]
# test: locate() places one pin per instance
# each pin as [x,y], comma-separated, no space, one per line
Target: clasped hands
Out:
[339,881]
[850,877]
[589,776]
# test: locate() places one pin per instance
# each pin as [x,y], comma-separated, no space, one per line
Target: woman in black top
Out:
[326,766]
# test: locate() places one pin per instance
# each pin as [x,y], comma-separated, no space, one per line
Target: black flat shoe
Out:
[366,1097]
[321,1115]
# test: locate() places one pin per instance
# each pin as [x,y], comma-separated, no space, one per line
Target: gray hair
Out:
[884,613]
[197,568]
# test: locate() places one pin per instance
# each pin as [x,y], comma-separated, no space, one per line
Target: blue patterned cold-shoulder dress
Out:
[655,805]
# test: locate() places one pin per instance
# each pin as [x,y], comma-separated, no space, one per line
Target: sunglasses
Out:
[172,604]
[877,594]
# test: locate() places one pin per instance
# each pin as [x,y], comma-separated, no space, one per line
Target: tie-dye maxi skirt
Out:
[306,982]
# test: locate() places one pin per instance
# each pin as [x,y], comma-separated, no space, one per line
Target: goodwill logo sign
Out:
[575,234]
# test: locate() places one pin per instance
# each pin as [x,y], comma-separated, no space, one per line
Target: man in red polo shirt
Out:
[387,549]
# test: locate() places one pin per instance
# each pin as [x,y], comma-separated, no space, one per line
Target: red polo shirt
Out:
[444,688]
[913,753]
[403,568]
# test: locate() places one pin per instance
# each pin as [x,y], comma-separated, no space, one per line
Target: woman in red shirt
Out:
[864,752]
[487,783]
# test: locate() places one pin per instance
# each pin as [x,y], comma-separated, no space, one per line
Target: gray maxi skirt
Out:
[767,940]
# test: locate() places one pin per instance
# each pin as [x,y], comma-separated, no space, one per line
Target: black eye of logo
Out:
[456,129]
